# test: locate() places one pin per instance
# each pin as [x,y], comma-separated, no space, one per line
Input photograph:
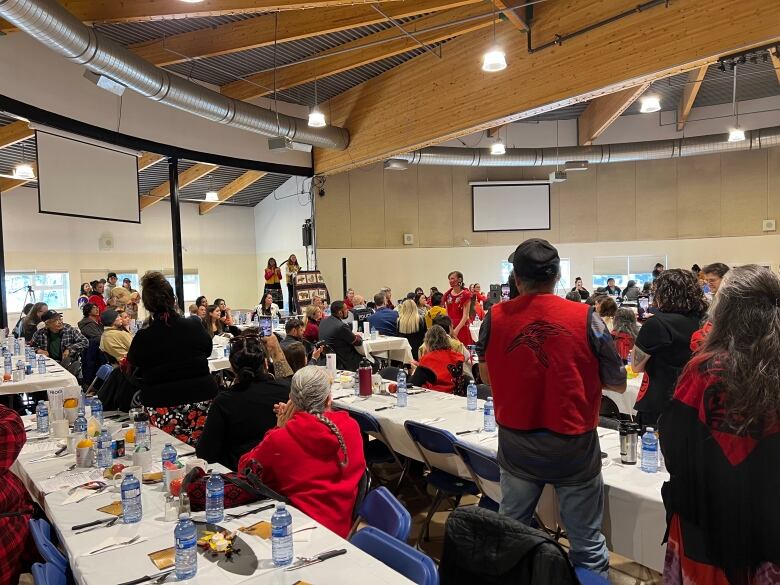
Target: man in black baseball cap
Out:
[547,360]
[59,341]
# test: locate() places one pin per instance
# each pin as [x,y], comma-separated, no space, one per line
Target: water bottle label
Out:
[131,493]
[280,531]
[183,543]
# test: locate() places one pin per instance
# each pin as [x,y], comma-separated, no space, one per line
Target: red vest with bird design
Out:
[543,371]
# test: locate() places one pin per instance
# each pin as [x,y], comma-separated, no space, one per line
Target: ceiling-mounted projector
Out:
[557,176]
[576,165]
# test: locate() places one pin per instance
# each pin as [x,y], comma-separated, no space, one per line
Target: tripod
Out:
[30,294]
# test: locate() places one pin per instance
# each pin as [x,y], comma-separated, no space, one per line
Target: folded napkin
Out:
[78,495]
[304,533]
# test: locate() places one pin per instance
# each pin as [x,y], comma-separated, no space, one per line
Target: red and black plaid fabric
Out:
[14,529]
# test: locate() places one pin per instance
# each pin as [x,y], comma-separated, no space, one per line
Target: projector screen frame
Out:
[503,184]
[88,143]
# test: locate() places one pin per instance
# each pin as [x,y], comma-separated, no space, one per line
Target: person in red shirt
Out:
[315,455]
[547,360]
[440,368]
[16,508]
[97,296]
[457,301]
[479,299]
[313,316]
[349,300]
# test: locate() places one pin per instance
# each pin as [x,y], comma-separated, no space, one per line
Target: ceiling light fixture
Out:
[736,134]
[212,196]
[192,1]
[650,104]
[24,172]
[498,148]
[495,59]
[316,117]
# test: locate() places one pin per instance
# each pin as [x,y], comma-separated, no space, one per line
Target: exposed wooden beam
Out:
[291,26]
[231,189]
[604,110]
[147,159]
[162,190]
[14,133]
[360,52]
[775,63]
[7,184]
[495,130]
[418,104]
[514,16]
[692,86]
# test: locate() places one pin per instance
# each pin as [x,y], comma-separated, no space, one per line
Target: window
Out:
[564,284]
[120,277]
[623,269]
[191,284]
[51,288]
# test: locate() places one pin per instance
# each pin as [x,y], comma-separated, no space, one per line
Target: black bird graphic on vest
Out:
[533,337]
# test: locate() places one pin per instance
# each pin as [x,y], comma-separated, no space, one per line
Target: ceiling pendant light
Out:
[495,59]
[24,172]
[316,117]
[192,1]
[497,148]
[736,134]
[212,196]
[650,104]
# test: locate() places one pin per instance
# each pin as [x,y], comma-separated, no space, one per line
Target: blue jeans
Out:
[582,507]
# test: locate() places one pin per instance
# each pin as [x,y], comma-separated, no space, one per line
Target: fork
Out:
[116,544]
[66,470]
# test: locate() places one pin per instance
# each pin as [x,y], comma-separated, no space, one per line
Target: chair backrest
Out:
[437,448]
[104,372]
[367,422]
[41,533]
[48,574]
[399,556]
[363,487]
[484,470]
[587,577]
[382,510]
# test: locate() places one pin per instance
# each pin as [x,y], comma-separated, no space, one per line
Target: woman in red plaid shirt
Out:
[15,504]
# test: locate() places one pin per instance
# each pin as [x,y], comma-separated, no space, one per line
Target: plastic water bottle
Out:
[215,498]
[471,396]
[8,364]
[17,347]
[168,455]
[80,424]
[281,536]
[401,394]
[131,499]
[649,451]
[41,363]
[142,435]
[97,409]
[274,322]
[490,417]
[356,383]
[42,417]
[186,537]
[227,350]
[104,458]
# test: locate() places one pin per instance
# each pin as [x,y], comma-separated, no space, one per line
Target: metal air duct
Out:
[607,153]
[51,24]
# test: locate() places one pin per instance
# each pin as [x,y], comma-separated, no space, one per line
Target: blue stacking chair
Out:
[41,533]
[382,510]
[47,574]
[399,556]
[587,577]
[378,451]
[102,374]
[437,449]
[485,471]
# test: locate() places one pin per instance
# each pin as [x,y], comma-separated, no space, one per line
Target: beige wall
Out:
[672,207]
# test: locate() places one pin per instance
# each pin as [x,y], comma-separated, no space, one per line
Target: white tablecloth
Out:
[625,402]
[634,517]
[55,377]
[393,348]
[353,568]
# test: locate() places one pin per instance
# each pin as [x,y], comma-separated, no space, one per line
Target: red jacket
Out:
[624,343]
[543,372]
[301,460]
[98,300]
[312,331]
[448,367]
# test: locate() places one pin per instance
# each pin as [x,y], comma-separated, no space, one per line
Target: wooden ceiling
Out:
[404,74]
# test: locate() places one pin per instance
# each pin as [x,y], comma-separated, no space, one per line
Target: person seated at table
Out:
[295,354]
[318,302]
[445,363]
[580,289]
[340,338]
[411,326]
[445,323]
[202,301]
[171,358]
[16,506]
[240,416]
[385,319]
[606,308]
[349,300]
[437,309]
[193,310]
[326,447]
[33,320]
[267,306]
[212,322]
[422,304]
[719,436]
[225,314]
[116,338]
[388,293]
[360,311]
[91,326]
[60,342]
[625,329]
[631,293]
[312,316]
[573,296]
[612,289]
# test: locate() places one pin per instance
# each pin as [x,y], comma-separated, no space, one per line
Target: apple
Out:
[392,387]
[175,486]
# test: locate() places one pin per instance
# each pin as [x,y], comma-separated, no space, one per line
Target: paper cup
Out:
[366,327]
[143,459]
[71,414]
[192,463]
[59,429]
[171,474]
[118,477]
[374,335]
[330,362]
[73,439]
[85,457]
[355,326]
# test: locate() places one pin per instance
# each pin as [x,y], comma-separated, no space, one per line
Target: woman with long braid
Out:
[315,455]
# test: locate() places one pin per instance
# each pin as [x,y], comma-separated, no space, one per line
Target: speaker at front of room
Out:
[306,234]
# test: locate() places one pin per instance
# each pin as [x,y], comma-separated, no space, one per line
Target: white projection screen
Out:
[510,206]
[84,180]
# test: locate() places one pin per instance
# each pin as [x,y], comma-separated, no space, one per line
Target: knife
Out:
[146,578]
[305,562]
[88,524]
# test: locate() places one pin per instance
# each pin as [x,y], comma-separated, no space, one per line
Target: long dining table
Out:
[49,481]
[634,516]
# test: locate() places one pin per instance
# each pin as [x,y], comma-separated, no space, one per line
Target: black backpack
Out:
[481,546]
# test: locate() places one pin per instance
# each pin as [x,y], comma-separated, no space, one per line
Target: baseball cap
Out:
[108,317]
[536,259]
[111,275]
[50,315]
